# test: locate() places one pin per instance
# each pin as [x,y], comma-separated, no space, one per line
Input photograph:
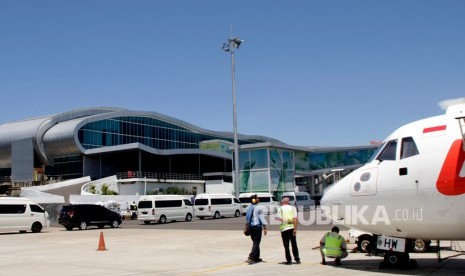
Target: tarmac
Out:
[56,251]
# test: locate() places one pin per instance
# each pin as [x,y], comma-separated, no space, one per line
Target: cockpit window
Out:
[389,151]
[409,148]
[377,151]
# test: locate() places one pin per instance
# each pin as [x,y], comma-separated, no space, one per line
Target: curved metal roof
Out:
[14,131]
[57,135]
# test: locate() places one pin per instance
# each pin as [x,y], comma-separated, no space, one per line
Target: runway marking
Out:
[227,266]
[219,268]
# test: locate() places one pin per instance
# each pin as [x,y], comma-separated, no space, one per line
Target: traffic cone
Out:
[101,243]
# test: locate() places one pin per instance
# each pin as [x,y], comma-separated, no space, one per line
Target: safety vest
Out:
[287,214]
[333,245]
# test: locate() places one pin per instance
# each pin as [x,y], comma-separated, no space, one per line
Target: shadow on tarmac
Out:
[426,266]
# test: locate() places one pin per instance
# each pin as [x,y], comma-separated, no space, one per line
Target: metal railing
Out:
[159,175]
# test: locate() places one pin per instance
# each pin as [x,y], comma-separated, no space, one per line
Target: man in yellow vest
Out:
[288,218]
[333,245]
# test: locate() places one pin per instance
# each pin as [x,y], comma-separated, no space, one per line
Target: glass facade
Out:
[66,167]
[311,161]
[273,169]
[265,170]
[145,130]
[5,173]
[281,171]
[254,170]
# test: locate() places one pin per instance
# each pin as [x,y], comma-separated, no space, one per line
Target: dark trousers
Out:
[288,236]
[256,236]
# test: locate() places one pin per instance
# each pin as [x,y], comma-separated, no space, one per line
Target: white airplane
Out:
[412,188]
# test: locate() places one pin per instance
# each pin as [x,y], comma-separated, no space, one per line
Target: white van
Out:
[217,205]
[301,200]
[267,200]
[163,208]
[22,214]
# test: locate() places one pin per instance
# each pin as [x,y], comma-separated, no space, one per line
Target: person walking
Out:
[133,210]
[333,245]
[288,218]
[255,217]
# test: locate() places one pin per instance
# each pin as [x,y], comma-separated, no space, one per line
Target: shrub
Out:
[106,190]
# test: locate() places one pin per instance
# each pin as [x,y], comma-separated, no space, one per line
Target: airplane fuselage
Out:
[414,186]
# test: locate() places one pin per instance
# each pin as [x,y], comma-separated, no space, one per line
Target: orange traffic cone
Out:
[101,243]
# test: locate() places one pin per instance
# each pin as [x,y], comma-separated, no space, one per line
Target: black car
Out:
[83,215]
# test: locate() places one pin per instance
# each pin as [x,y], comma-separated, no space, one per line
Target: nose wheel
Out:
[397,260]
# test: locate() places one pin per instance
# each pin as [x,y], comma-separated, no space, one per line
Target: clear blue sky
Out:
[310,73]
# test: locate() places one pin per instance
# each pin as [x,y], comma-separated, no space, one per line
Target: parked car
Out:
[21,214]
[130,212]
[301,200]
[163,208]
[217,205]
[267,200]
[84,215]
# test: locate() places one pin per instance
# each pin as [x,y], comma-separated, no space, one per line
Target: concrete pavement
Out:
[186,252]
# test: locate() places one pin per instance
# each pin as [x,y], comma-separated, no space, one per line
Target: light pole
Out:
[229,47]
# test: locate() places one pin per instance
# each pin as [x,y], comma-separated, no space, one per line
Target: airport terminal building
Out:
[102,142]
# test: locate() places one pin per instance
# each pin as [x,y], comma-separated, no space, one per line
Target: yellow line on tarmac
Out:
[218,268]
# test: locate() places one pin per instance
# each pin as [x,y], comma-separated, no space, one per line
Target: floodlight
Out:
[229,47]
[226,47]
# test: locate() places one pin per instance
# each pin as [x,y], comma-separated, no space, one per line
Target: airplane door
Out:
[408,165]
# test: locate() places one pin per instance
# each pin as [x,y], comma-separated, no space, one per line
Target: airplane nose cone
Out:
[329,197]
[325,199]
[332,201]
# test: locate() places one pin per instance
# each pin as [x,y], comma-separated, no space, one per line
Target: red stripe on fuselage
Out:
[433,129]
[449,181]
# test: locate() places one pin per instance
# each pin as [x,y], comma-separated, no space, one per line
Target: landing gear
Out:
[397,260]
[366,244]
